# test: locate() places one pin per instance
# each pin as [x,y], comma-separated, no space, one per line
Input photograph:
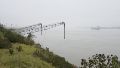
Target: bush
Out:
[101,61]
[14,37]
[19,49]
[5,44]
[11,51]
[1,36]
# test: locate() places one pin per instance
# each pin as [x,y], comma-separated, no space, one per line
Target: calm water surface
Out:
[81,43]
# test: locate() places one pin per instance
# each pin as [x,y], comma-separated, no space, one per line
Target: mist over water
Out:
[81,43]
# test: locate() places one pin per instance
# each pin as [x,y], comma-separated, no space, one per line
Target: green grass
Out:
[17,51]
[23,59]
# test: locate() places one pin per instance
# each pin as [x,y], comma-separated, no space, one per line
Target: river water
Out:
[81,43]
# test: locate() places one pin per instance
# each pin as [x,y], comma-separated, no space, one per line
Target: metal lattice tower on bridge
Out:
[38,28]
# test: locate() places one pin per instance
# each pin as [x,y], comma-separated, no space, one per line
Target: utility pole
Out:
[64,30]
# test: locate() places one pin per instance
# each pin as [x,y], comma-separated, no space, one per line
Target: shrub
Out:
[11,51]
[15,37]
[38,46]
[5,43]
[1,36]
[19,49]
[101,61]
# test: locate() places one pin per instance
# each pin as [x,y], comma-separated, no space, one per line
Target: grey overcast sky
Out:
[75,13]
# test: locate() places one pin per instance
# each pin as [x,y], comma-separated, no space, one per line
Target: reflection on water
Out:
[81,44]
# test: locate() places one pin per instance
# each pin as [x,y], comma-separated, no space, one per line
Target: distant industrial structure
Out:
[38,28]
[99,27]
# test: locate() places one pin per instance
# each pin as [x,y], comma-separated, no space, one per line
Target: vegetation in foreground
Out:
[101,61]
[21,58]
[17,51]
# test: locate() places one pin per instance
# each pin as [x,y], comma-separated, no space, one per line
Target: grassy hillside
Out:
[23,59]
[17,51]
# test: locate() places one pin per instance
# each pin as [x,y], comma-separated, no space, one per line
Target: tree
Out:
[101,61]
[29,40]
[29,37]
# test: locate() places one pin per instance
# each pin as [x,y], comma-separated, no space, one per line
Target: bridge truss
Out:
[38,28]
